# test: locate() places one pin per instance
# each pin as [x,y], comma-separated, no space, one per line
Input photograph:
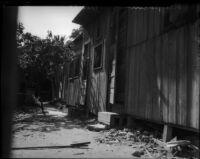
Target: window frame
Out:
[75,74]
[86,55]
[99,68]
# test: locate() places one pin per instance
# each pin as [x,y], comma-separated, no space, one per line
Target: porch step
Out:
[108,118]
[114,119]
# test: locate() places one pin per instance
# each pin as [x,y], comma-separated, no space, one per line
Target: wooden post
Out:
[167,133]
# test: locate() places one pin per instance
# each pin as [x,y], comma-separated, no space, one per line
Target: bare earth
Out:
[32,129]
[56,129]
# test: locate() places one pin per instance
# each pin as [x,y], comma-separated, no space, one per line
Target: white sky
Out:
[38,19]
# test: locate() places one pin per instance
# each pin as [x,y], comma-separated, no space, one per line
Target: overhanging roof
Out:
[86,15]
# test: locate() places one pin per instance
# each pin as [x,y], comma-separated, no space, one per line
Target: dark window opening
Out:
[86,51]
[98,54]
[85,70]
[71,70]
[77,66]
[85,61]
[74,70]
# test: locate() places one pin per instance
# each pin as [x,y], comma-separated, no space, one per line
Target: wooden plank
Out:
[143,91]
[145,23]
[148,79]
[133,81]
[172,76]
[154,85]
[75,145]
[141,66]
[134,26]
[158,78]
[103,86]
[130,27]
[136,80]
[139,27]
[181,79]
[142,25]
[157,21]
[195,75]
[167,133]
[151,23]
[127,93]
[164,83]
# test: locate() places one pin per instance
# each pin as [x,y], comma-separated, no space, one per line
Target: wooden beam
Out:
[167,133]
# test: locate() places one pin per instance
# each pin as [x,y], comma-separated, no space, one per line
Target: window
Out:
[71,70]
[85,61]
[77,66]
[74,68]
[98,56]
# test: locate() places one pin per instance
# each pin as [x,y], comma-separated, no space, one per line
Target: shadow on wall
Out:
[95,96]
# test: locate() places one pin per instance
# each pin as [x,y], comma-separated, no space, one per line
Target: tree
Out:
[76,32]
[45,57]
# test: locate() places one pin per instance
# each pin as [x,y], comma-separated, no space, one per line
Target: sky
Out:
[39,19]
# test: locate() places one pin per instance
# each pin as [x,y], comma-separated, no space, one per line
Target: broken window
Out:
[98,56]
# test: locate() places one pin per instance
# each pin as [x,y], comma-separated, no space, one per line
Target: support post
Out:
[167,133]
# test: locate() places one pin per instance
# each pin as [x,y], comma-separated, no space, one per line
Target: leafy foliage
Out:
[45,55]
[75,33]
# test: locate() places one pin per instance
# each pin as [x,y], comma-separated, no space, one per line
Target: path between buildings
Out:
[32,129]
[56,129]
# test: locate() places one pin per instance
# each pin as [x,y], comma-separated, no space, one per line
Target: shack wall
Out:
[97,86]
[163,70]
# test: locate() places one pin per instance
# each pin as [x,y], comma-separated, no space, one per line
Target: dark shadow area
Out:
[36,121]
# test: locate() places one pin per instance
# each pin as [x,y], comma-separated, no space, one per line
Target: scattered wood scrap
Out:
[75,145]
[148,153]
[97,127]
[178,143]
[175,146]
[161,143]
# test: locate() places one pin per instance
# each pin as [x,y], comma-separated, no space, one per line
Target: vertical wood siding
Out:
[97,91]
[164,74]
[75,89]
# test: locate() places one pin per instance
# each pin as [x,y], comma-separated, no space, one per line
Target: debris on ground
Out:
[146,145]
[81,153]
[96,127]
[75,145]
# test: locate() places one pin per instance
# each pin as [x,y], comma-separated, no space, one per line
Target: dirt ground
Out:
[56,129]
[32,129]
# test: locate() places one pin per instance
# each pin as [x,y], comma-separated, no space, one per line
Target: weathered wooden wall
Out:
[97,91]
[75,88]
[164,78]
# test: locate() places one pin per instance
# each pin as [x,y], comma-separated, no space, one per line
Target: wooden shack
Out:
[144,62]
